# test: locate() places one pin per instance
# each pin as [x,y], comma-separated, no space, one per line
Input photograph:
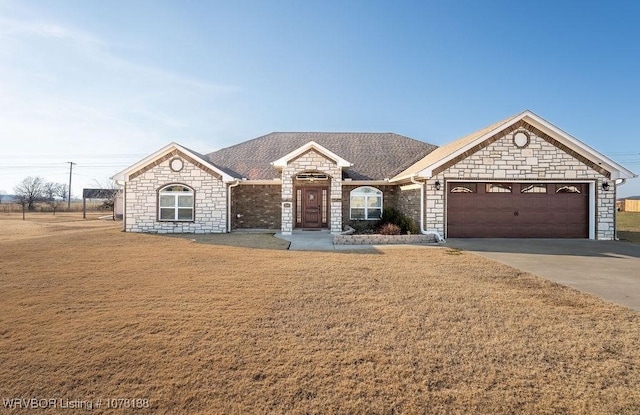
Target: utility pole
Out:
[71,163]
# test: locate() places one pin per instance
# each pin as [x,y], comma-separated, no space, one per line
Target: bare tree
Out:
[52,194]
[30,192]
[63,191]
[50,190]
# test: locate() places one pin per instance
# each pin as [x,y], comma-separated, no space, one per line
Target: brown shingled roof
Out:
[375,156]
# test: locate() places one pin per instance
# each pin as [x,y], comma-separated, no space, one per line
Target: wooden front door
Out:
[312,207]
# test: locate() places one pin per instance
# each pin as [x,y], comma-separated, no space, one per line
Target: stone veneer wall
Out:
[142,200]
[312,161]
[503,161]
[389,198]
[256,206]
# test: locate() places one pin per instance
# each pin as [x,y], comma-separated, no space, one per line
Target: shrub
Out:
[394,216]
[364,226]
[389,229]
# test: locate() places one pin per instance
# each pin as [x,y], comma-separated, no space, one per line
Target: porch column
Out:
[287,203]
[336,202]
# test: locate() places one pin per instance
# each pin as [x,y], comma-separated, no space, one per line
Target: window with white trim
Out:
[176,203]
[366,203]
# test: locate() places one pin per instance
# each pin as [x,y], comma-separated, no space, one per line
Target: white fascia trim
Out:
[426,173]
[365,182]
[261,182]
[617,171]
[283,161]
[124,174]
[405,187]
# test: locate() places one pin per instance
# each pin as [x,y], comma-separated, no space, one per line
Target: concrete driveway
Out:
[607,269]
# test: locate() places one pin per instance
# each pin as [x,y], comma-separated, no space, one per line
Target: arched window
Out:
[366,203]
[464,187]
[176,203]
[568,188]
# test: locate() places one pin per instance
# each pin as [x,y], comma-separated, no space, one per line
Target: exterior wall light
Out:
[605,186]
[437,184]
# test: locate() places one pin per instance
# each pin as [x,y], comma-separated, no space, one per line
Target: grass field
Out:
[629,226]
[90,313]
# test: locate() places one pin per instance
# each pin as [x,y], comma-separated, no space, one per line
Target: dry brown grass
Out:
[198,328]
[37,225]
[256,240]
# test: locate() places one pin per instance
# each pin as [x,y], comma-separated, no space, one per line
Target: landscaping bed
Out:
[377,239]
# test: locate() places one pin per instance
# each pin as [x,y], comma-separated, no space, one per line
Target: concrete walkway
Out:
[607,269]
[320,240]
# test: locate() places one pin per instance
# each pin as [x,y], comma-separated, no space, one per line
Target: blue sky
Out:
[106,83]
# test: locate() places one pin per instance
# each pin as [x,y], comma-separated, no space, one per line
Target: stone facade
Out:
[539,160]
[141,198]
[256,207]
[311,161]
[521,152]
[606,211]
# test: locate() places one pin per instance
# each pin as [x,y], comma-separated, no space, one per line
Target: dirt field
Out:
[90,315]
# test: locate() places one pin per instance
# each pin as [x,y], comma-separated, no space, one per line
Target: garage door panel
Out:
[520,214]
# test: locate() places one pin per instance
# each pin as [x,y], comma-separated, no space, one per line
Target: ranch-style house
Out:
[520,177]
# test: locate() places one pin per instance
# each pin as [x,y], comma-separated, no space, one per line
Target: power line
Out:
[75,156]
[62,165]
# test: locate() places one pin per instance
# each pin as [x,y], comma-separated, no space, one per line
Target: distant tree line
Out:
[34,190]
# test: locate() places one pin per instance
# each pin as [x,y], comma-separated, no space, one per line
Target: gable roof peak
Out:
[311,145]
[426,166]
[169,148]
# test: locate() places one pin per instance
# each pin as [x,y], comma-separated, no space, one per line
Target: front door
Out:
[311,207]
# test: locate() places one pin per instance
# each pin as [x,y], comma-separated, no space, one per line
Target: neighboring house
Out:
[520,177]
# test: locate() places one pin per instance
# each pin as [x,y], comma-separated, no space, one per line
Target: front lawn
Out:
[197,328]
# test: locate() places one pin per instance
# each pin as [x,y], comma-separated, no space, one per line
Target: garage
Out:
[517,210]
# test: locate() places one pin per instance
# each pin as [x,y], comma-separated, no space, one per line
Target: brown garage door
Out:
[517,210]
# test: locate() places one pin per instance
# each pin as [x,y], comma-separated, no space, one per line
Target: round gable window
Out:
[521,139]
[176,164]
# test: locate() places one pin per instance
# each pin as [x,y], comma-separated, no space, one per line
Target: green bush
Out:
[396,217]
